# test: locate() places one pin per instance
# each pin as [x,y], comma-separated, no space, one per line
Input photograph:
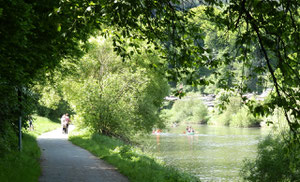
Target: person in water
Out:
[187,129]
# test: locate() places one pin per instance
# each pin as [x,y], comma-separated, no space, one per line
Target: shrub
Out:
[8,141]
[113,97]
[243,118]
[235,115]
[200,113]
[25,164]
[275,161]
[189,111]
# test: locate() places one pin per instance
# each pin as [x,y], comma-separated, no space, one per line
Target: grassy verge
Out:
[130,161]
[25,166]
[42,125]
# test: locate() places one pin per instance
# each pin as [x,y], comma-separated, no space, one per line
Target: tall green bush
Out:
[234,114]
[115,97]
[22,166]
[243,118]
[275,161]
[8,141]
[188,111]
[13,105]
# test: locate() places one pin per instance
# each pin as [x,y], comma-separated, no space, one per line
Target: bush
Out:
[8,141]
[23,166]
[113,97]
[235,115]
[53,114]
[221,119]
[188,111]
[243,118]
[275,161]
[10,113]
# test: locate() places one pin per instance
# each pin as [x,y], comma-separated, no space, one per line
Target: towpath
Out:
[61,161]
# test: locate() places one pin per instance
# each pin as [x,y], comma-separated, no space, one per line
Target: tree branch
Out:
[257,31]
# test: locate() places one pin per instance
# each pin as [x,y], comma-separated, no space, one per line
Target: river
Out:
[212,154]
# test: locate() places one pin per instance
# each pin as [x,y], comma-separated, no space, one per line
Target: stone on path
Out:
[61,161]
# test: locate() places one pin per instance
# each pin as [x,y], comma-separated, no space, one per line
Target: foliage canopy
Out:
[37,36]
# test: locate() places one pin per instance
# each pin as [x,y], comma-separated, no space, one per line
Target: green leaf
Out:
[59,28]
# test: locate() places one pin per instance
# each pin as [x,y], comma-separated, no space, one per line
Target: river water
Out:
[212,154]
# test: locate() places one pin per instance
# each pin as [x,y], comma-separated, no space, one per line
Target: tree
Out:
[116,98]
[36,36]
[274,26]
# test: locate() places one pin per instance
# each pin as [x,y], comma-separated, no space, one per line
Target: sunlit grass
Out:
[42,125]
[130,161]
[25,166]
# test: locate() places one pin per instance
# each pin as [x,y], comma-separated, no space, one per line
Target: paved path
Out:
[61,161]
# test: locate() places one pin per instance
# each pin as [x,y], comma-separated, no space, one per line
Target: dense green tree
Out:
[114,97]
[36,36]
[227,66]
[266,30]
[274,26]
[32,42]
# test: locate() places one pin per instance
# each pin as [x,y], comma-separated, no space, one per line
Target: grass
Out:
[130,161]
[25,166]
[42,125]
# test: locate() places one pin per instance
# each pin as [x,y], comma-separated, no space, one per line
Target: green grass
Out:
[25,166]
[130,161]
[42,125]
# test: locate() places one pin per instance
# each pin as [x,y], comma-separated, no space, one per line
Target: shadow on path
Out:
[63,161]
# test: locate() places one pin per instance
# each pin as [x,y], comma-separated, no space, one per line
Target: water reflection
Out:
[212,153]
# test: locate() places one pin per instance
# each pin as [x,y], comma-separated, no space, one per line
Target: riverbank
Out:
[25,166]
[227,110]
[130,161]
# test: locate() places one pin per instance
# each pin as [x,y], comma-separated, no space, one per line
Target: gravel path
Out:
[61,161]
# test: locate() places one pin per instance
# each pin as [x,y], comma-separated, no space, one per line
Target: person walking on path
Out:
[63,123]
[67,122]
